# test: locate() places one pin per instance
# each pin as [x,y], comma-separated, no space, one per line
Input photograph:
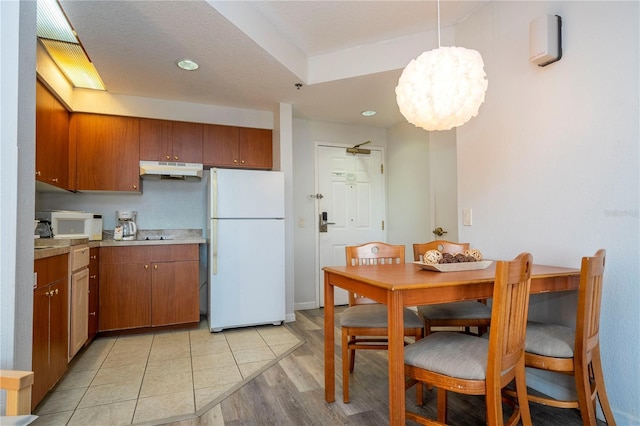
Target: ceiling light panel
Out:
[74,64]
[52,24]
[61,43]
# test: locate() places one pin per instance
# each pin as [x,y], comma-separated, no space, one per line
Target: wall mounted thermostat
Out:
[545,40]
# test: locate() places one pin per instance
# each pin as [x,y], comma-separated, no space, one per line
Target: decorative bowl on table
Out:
[434,260]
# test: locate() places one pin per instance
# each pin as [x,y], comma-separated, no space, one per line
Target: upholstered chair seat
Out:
[375,315]
[550,340]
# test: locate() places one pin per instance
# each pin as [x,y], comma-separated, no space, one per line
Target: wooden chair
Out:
[576,352]
[18,385]
[364,322]
[466,313]
[474,365]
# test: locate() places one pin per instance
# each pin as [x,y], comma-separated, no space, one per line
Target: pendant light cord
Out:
[439,24]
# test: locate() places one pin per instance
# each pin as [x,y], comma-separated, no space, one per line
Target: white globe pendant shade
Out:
[442,88]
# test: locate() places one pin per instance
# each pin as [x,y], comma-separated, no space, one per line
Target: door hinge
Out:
[383,225]
[381,169]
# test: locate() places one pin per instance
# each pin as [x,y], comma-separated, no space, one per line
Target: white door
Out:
[351,193]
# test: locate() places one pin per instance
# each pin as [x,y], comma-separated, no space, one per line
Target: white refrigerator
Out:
[246,248]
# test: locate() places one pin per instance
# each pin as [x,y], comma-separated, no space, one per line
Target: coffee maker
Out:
[127,225]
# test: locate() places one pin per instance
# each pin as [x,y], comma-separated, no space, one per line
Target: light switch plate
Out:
[467,217]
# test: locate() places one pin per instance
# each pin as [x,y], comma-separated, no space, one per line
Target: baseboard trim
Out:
[304,306]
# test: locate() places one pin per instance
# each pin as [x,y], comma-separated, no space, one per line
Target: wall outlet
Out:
[301,222]
[467,217]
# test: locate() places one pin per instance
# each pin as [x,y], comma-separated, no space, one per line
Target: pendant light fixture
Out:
[442,88]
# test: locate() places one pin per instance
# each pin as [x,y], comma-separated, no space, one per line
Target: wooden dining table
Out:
[408,284]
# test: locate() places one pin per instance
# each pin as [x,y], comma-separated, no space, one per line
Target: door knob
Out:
[324,222]
[439,231]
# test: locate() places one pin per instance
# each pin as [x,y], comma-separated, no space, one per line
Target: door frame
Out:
[316,211]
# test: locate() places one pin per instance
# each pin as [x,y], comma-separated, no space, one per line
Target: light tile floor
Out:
[152,377]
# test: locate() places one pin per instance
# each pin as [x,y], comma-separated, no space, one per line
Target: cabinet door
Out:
[155,140]
[58,331]
[125,296]
[92,327]
[79,311]
[60,145]
[44,116]
[52,139]
[107,152]
[187,142]
[255,146]
[40,350]
[175,293]
[220,146]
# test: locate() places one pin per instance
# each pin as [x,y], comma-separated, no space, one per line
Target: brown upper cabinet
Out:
[237,147]
[164,140]
[107,151]
[52,139]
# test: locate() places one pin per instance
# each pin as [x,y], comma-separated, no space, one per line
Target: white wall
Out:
[17,151]
[305,135]
[408,187]
[163,204]
[550,165]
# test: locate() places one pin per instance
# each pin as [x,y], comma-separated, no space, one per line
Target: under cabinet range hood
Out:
[156,170]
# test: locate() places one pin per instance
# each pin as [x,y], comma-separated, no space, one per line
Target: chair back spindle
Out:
[370,254]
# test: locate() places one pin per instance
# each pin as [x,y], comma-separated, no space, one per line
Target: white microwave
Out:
[69,224]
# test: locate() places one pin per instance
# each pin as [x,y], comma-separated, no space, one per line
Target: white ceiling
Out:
[348,55]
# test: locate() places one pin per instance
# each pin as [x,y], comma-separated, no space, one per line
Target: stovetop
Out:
[168,234]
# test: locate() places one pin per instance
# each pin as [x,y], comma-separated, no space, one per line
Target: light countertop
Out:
[47,247]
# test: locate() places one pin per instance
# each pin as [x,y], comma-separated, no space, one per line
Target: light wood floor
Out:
[292,392]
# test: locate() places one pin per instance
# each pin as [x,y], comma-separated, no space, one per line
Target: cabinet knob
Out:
[155,266]
[235,161]
[168,157]
[93,277]
[242,161]
[54,180]
[176,158]
[93,314]
[38,173]
[134,186]
[46,293]
[93,257]
[146,266]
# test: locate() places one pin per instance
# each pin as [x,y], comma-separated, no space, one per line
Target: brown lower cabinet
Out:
[50,324]
[94,288]
[148,286]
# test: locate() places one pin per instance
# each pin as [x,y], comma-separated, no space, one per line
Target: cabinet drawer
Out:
[159,253]
[79,257]
[94,258]
[51,269]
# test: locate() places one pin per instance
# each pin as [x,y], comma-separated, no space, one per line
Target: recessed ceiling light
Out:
[368,113]
[187,64]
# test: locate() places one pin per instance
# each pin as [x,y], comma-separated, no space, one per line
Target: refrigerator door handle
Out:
[214,247]
[214,193]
